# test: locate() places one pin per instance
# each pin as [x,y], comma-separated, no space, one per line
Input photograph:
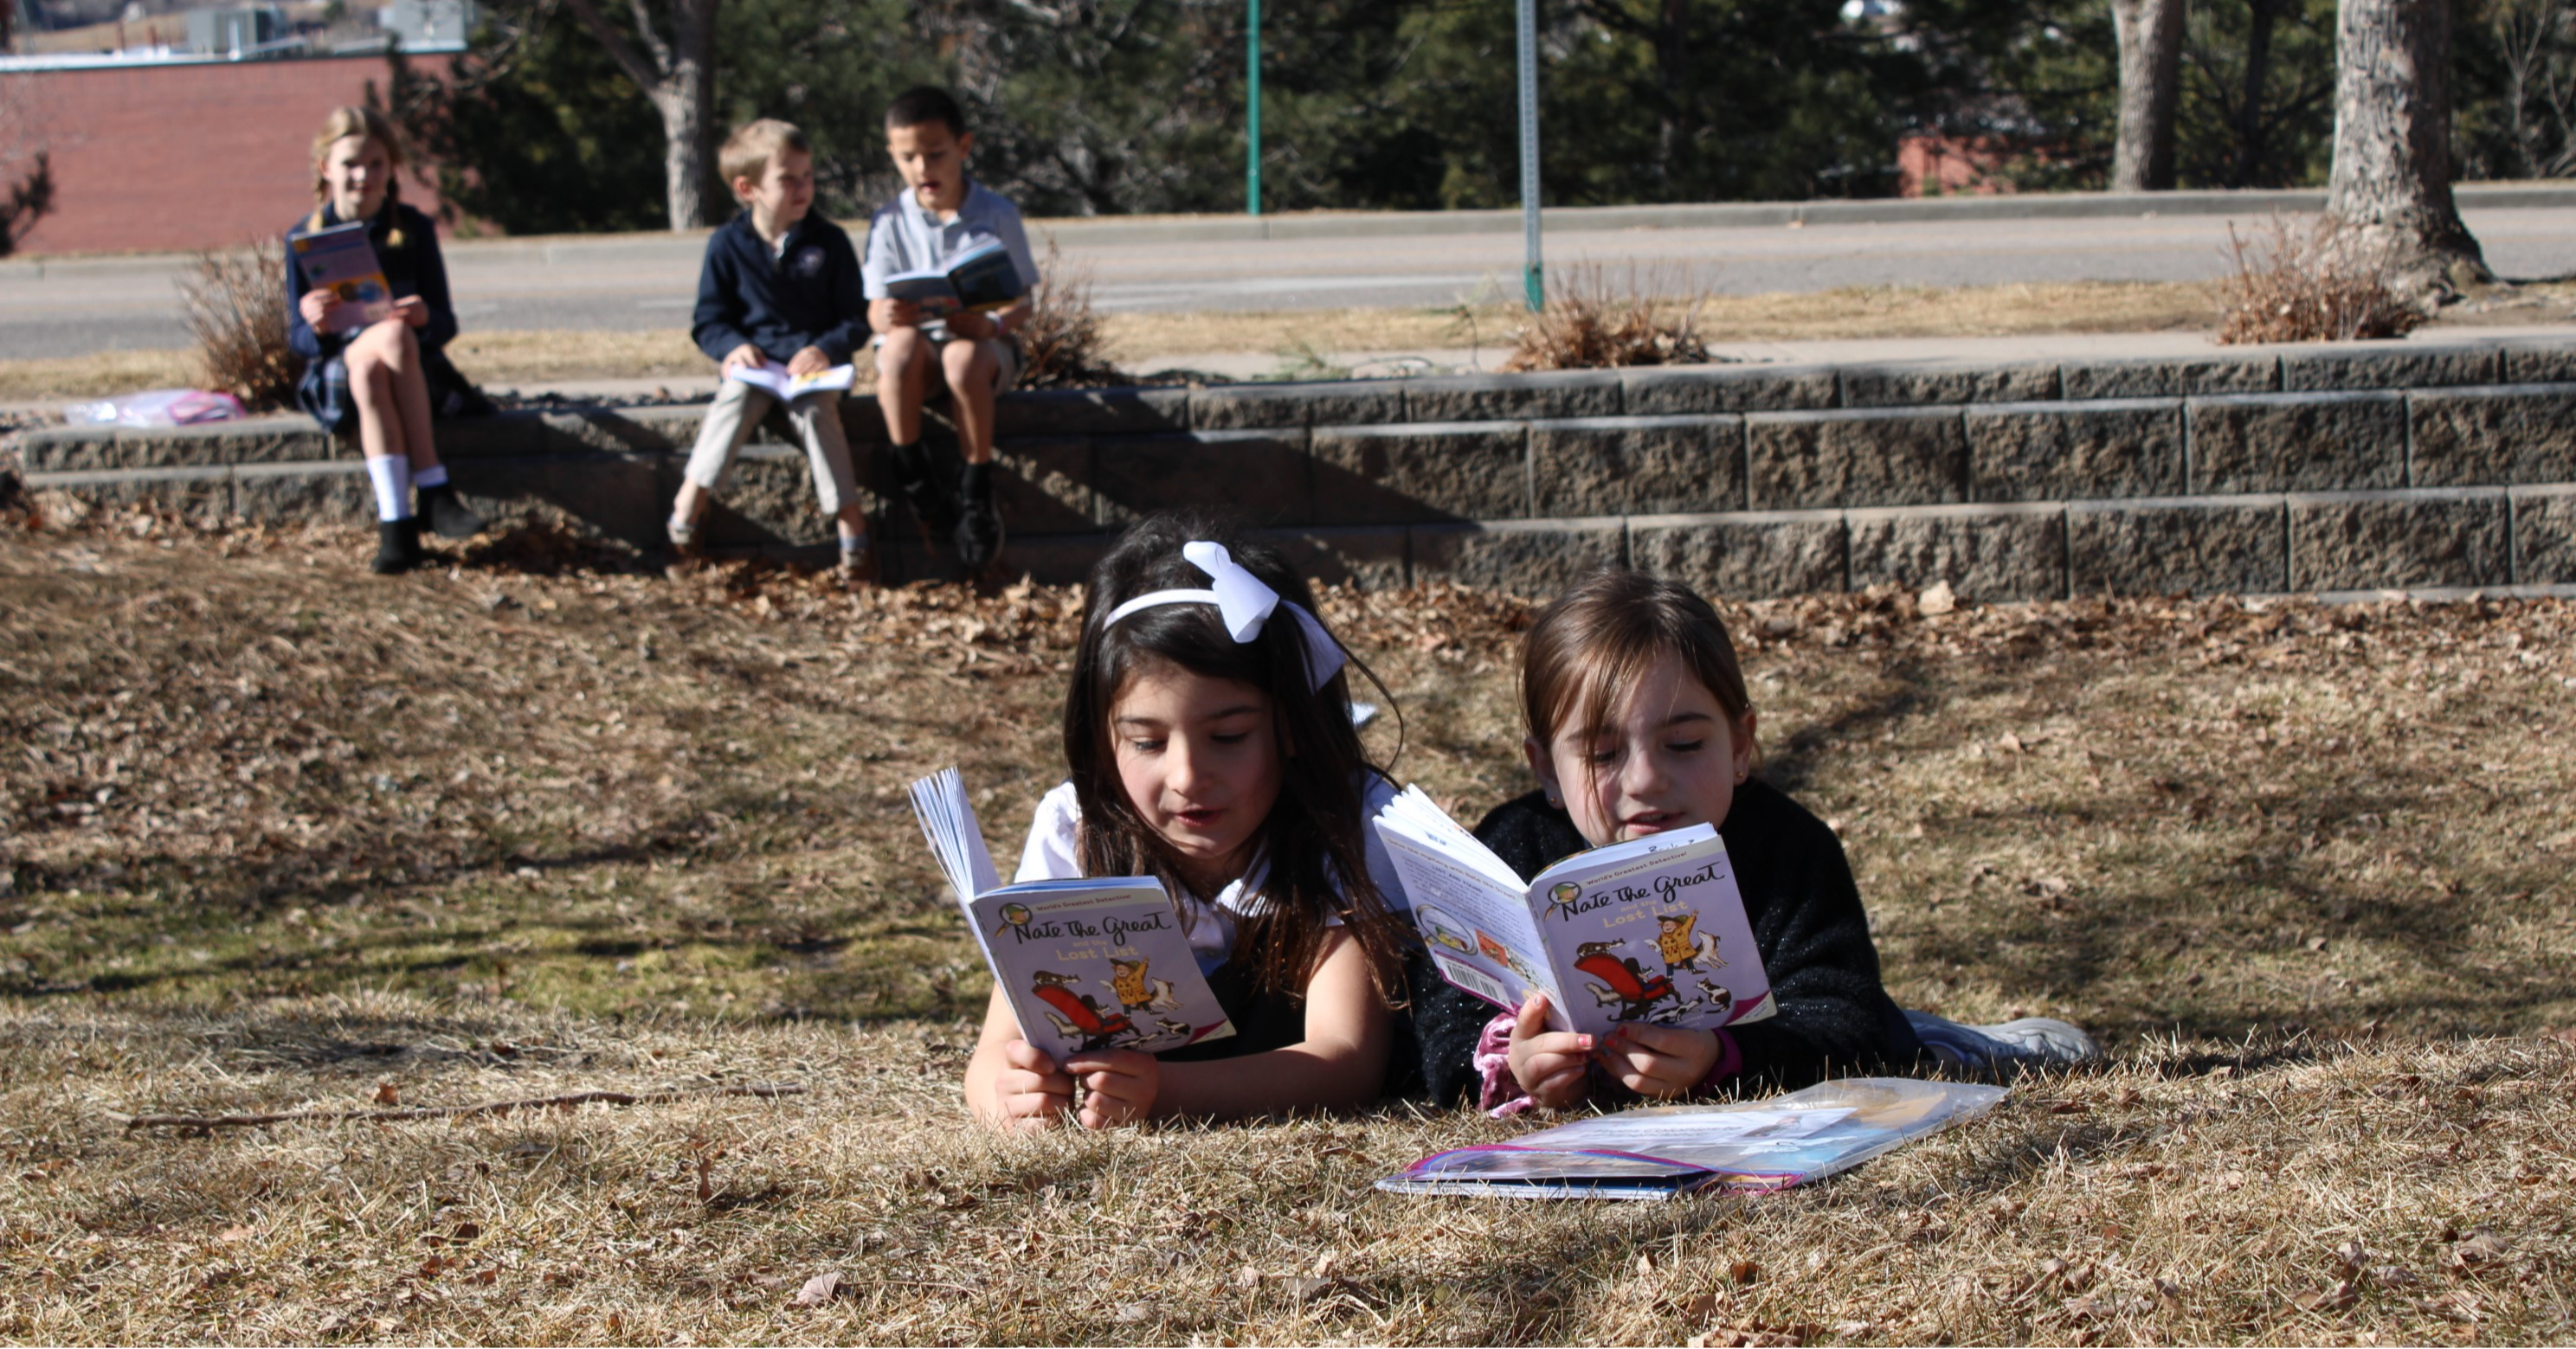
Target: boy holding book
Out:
[779,284]
[941,215]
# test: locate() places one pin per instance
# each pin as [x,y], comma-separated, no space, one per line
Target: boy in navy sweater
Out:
[778,285]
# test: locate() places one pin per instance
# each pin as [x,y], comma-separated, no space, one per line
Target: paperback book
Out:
[773,377]
[1086,964]
[981,278]
[1657,1152]
[1651,929]
[339,259]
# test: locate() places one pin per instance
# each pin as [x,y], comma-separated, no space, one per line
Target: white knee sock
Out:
[433,476]
[392,476]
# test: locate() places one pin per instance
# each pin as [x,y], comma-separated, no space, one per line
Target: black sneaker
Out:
[931,502]
[448,514]
[397,546]
[979,527]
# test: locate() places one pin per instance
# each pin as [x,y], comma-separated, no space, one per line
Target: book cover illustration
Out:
[773,377]
[1649,930]
[1086,964]
[981,278]
[1084,969]
[339,259]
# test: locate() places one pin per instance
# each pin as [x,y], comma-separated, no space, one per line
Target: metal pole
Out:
[1531,274]
[1252,108]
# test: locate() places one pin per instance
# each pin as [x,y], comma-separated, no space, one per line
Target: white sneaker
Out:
[2007,1049]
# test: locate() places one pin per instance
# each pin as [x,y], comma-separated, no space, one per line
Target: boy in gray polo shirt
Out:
[940,214]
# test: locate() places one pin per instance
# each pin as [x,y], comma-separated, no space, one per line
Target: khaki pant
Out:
[739,407]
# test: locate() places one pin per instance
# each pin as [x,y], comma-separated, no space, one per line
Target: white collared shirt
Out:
[1052,853]
[906,236]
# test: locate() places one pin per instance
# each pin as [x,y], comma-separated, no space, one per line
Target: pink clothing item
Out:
[1502,1097]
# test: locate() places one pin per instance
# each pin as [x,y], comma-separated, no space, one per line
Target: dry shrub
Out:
[2328,283]
[236,309]
[1590,324]
[1064,345]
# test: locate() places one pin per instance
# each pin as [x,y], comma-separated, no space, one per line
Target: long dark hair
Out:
[1315,838]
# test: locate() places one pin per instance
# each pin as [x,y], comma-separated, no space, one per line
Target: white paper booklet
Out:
[774,377]
[1652,929]
[1087,964]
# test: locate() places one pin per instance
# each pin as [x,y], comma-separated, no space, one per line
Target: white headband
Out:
[1244,604]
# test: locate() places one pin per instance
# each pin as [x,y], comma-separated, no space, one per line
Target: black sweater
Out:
[1834,1016]
[806,294]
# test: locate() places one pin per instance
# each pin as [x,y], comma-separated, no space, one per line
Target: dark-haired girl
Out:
[1209,736]
[1639,724]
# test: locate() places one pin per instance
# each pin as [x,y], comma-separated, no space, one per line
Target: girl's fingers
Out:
[1557,1042]
[1531,1019]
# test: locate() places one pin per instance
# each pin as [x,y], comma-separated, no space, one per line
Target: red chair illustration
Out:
[1622,981]
[1081,1019]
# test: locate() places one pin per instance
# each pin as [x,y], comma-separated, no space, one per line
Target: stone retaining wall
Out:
[2360,466]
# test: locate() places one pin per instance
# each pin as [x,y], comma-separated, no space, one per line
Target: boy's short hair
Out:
[925,103]
[747,152]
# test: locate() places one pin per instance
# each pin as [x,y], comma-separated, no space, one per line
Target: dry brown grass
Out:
[277,833]
[235,304]
[1065,344]
[2318,282]
[1595,320]
[515,358]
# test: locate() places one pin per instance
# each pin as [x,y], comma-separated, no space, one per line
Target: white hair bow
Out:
[1244,603]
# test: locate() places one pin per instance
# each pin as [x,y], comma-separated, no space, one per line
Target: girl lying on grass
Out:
[1208,729]
[1639,723]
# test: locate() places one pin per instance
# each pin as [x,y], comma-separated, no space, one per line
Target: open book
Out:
[1086,964]
[339,259]
[1655,1152]
[774,377]
[1647,930]
[982,277]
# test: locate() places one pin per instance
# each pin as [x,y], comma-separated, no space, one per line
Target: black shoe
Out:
[979,527]
[448,514]
[931,502]
[397,546]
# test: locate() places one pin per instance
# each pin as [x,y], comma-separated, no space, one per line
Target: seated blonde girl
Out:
[373,375]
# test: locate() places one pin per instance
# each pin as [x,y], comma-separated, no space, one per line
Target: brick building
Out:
[180,154]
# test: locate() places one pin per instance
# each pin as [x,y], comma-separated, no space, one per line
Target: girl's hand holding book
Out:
[1029,1092]
[318,307]
[413,311]
[1121,1083]
[1551,1066]
[1661,1062]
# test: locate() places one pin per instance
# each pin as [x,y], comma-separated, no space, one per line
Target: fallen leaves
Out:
[820,1289]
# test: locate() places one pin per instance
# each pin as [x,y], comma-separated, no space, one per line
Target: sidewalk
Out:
[686,246]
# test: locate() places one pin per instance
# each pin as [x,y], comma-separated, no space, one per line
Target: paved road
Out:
[79,306]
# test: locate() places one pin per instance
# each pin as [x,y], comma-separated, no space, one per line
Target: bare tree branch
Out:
[615,44]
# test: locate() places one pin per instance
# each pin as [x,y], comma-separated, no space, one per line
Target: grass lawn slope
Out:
[276,835]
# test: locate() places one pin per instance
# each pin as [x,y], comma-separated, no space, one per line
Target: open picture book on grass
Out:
[1652,929]
[1086,964]
[1659,1151]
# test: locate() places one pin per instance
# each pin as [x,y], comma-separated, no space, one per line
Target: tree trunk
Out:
[2392,160]
[2251,126]
[2150,38]
[679,77]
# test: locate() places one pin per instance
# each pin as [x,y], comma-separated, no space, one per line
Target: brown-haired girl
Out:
[1639,723]
[374,374]
[1209,736]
